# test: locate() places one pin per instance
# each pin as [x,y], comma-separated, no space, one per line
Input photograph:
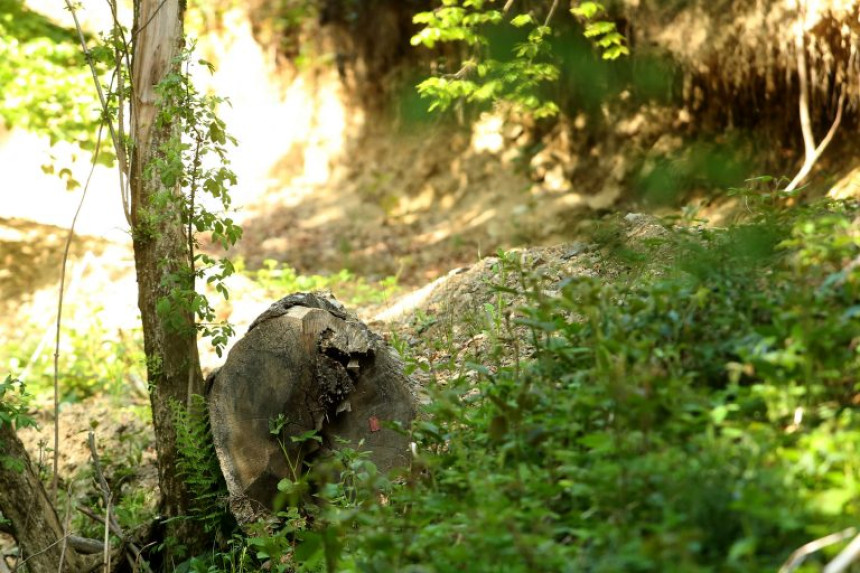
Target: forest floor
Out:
[435,223]
[432,212]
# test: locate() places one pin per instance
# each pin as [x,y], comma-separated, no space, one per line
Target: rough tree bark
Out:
[161,255]
[35,524]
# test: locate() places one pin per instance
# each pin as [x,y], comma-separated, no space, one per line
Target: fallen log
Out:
[303,366]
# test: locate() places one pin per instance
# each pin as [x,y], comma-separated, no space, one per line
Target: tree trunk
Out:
[35,524]
[162,259]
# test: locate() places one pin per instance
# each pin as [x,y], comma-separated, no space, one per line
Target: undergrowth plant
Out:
[195,159]
[695,414]
[279,279]
[95,360]
[198,465]
[14,402]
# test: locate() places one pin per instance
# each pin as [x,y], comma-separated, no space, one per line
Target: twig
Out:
[551,13]
[66,521]
[85,545]
[151,18]
[99,519]
[103,485]
[69,238]
[73,284]
[507,7]
[195,166]
[109,520]
[137,552]
[43,551]
[120,122]
[117,142]
[107,532]
[811,151]
[845,558]
[795,559]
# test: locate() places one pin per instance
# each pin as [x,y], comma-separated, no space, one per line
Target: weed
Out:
[355,291]
[691,418]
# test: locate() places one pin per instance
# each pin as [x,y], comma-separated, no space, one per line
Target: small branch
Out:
[811,151]
[551,13]
[103,485]
[69,238]
[136,552]
[796,558]
[119,56]
[845,558]
[46,336]
[118,144]
[99,519]
[195,173]
[107,532]
[84,545]
[62,564]
[508,5]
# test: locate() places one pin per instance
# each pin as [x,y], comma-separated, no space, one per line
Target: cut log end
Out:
[304,366]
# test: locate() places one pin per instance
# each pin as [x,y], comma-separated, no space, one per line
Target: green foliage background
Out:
[47,89]
[695,413]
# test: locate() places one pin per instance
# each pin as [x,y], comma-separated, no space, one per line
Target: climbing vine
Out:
[195,160]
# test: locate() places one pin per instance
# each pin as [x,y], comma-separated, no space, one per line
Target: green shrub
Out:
[280,280]
[692,416]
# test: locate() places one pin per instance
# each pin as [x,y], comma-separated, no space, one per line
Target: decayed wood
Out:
[305,360]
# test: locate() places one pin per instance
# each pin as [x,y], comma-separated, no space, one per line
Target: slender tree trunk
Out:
[161,252]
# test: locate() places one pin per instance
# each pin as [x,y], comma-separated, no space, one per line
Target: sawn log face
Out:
[323,371]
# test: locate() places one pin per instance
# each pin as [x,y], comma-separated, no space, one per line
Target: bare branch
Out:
[119,56]
[107,531]
[551,13]
[69,238]
[845,558]
[811,151]
[62,564]
[110,521]
[99,519]
[117,142]
[135,553]
[84,545]
[796,559]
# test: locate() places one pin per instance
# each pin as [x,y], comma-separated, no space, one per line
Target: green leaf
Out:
[615,52]
[588,10]
[741,548]
[597,441]
[613,38]
[310,546]
[522,20]
[599,28]
[163,307]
